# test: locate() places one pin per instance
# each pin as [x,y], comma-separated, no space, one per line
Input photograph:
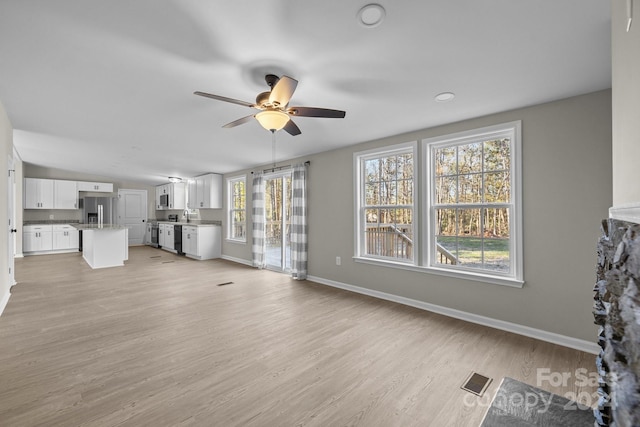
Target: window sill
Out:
[465,275]
[239,242]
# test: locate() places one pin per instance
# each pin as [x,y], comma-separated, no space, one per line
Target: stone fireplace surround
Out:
[617,313]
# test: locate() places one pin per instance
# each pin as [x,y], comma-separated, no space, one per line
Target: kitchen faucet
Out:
[186,213]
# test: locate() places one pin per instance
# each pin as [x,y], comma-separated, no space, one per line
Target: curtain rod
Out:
[279,168]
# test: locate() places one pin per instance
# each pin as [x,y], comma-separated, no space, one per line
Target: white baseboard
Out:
[552,337]
[4,302]
[238,260]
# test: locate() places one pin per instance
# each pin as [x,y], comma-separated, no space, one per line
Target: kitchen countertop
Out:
[99,227]
[193,223]
[51,221]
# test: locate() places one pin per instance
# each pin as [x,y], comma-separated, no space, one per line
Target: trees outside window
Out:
[474,210]
[469,200]
[237,203]
[386,204]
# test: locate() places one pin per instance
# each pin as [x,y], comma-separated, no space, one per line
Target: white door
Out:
[12,221]
[132,213]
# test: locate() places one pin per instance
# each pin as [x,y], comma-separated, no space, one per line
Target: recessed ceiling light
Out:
[445,96]
[371,15]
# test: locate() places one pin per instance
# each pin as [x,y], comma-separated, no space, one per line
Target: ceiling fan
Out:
[273,105]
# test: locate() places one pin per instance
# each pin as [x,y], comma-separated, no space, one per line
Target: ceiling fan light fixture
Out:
[272,119]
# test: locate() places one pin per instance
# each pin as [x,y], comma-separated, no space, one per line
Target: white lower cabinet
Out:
[65,237]
[190,240]
[202,242]
[46,238]
[166,236]
[37,238]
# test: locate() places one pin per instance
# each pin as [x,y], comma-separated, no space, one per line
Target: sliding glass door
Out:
[278,221]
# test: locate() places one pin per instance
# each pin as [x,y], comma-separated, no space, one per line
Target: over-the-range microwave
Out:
[164,200]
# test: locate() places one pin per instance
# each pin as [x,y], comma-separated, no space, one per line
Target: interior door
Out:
[11,214]
[132,213]
[278,221]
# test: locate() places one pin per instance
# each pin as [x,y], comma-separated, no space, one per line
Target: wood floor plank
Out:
[157,342]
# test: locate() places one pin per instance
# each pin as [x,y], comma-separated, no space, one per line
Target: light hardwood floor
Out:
[158,343]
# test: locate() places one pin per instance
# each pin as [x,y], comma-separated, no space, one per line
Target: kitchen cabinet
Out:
[98,187]
[190,240]
[174,193]
[166,236]
[38,193]
[161,232]
[207,190]
[202,242]
[65,237]
[47,238]
[159,192]
[42,193]
[37,238]
[65,194]
[192,199]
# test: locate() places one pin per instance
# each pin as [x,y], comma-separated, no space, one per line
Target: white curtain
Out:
[257,217]
[298,232]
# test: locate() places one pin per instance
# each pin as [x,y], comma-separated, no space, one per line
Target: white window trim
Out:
[358,220]
[514,130]
[230,182]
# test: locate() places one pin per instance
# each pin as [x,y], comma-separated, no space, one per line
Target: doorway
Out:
[132,213]
[277,227]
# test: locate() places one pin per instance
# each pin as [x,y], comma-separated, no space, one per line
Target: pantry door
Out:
[132,213]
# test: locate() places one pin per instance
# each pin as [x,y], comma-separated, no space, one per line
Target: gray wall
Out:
[34,171]
[566,192]
[626,104]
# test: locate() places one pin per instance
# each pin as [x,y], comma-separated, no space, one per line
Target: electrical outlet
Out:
[338,261]
[51,216]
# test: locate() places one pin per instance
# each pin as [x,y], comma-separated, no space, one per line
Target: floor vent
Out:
[225,283]
[476,383]
[167,262]
[156,256]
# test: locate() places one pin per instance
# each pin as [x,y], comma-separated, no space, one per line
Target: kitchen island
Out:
[104,245]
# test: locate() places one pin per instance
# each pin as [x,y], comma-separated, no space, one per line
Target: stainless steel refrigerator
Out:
[90,208]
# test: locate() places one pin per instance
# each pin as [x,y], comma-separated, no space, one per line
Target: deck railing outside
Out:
[394,241]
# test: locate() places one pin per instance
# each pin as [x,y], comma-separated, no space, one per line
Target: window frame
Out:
[513,130]
[230,208]
[359,203]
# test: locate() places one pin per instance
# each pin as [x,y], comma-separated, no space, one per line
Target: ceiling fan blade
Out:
[316,112]
[282,92]
[291,128]
[239,122]
[224,98]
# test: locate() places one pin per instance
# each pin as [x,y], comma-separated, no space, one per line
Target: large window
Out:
[468,202]
[474,214]
[237,199]
[386,203]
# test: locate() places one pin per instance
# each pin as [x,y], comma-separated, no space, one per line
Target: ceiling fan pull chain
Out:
[273,147]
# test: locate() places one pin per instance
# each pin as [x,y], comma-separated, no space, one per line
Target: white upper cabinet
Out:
[171,196]
[98,187]
[38,193]
[192,188]
[208,192]
[65,194]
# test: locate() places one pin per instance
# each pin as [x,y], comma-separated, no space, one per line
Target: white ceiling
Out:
[106,86]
